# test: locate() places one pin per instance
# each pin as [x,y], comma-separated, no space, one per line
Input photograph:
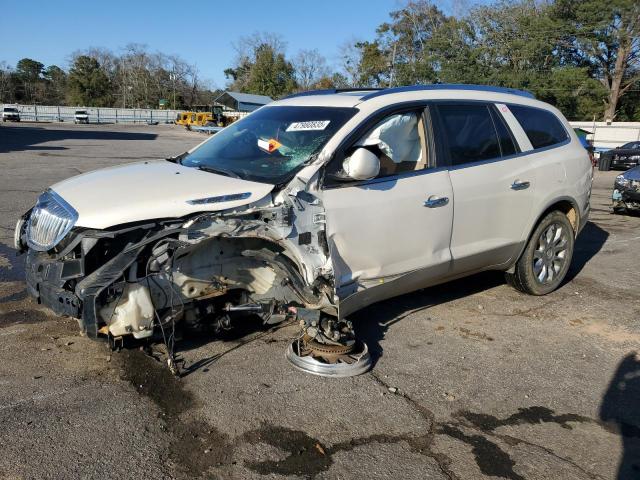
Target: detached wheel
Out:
[547,257]
[619,210]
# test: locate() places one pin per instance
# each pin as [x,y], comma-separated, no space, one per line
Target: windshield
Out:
[631,145]
[81,112]
[11,110]
[270,144]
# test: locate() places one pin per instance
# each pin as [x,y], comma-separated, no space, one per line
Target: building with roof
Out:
[242,102]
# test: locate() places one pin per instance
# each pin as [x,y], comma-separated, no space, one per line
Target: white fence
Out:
[603,135]
[610,135]
[53,113]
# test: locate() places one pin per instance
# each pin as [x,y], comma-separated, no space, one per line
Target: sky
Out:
[201,32]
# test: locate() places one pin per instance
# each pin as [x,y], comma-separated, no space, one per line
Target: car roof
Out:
[379,97]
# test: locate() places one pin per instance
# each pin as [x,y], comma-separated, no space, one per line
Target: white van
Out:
[316,206]
[81,116]
[11,114]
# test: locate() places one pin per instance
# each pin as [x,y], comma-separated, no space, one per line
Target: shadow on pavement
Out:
[13,138]
[621,409]
[372,322]
[12,269]
[589,243]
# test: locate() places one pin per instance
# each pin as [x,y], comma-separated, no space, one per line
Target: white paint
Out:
[149,190]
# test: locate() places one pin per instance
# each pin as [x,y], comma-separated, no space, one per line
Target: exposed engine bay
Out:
[269,259]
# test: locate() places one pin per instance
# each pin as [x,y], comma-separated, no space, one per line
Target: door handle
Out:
[434,201]
[518,185]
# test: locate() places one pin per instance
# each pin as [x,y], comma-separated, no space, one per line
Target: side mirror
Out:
[363,164]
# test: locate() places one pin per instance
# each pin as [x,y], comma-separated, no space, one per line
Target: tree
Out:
[271,74]
[88,84]
[606,38]
[373,65]
[7,84]
[405,42]
[310,66]
[364,64]
[55,84]
[28,73]
[261,67]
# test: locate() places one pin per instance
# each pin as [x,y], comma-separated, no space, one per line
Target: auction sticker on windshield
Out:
[308,126]
[270,145]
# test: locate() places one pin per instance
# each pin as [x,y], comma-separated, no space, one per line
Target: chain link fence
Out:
[54,113]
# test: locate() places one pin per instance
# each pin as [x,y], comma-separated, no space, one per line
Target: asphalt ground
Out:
[471,380]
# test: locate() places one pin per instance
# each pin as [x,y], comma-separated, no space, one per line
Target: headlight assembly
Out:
[50,221]
[620,180]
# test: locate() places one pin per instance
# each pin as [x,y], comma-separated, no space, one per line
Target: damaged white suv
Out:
[313,207]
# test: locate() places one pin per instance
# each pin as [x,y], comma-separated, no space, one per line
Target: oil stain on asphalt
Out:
[22,317]
[195,445]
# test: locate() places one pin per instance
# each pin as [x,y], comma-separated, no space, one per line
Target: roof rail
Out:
[330,91]
[448,86]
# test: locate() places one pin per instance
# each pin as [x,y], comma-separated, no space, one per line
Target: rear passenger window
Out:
[470,133]
[542,127]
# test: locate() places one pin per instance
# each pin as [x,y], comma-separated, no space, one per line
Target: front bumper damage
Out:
[205,272]
[626,196]
[45,282]
[70,279]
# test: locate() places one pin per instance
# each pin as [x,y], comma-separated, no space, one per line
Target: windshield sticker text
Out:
[308,126]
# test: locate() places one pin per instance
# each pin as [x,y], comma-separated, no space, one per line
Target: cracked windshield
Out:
[270,144]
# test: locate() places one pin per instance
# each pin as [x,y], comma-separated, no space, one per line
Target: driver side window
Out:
[399,142]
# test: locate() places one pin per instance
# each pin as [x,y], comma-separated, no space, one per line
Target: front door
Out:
[391,234]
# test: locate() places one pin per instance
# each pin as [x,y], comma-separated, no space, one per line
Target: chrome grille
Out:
[49,222]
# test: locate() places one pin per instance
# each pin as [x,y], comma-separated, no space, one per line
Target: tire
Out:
[619,210]
[546,259]
[604,165]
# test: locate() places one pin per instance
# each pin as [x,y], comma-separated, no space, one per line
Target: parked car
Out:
[626,156]
[314,207]
[626,191]
[11,114]
[81,116]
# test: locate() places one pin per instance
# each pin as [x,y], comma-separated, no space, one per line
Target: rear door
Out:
[390,235]
[493,185]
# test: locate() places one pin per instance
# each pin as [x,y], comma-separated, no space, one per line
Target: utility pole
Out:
[173,79]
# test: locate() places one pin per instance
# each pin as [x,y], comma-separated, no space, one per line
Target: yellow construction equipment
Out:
[204,115]
[182,118]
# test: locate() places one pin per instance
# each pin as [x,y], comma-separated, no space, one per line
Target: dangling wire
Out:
[169,341]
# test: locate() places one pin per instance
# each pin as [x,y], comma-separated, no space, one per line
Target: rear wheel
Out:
[547,256]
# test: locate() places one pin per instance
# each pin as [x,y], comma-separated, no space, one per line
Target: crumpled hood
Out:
[150,190]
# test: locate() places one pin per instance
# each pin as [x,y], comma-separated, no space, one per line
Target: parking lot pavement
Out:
[471,379]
